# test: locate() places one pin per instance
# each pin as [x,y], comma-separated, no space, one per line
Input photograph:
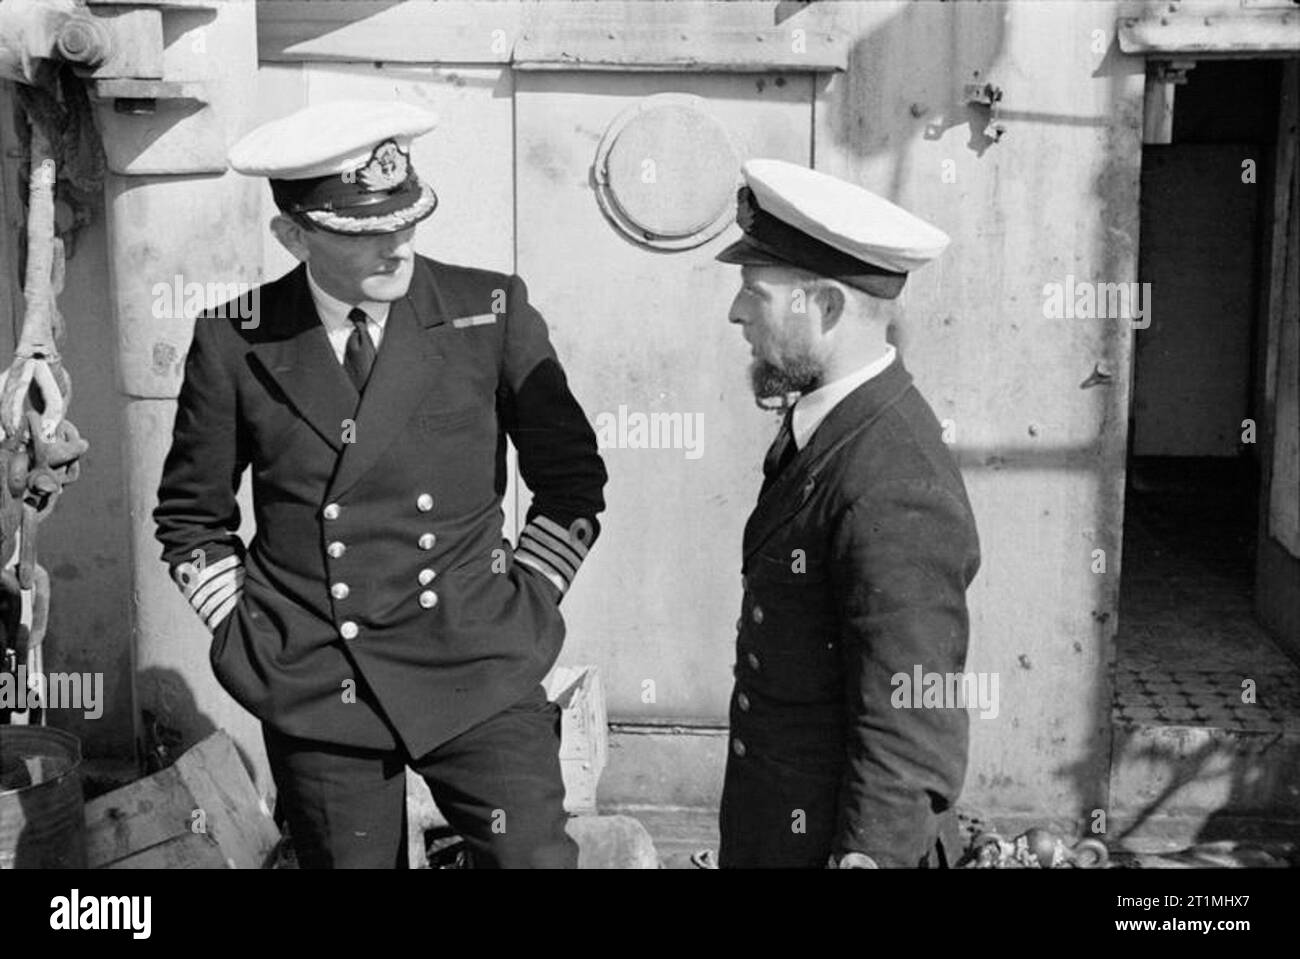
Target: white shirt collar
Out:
[812,408]
[333,312]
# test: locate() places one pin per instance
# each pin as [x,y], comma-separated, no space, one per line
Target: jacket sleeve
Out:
[905,554]
[558,456]
[197,514]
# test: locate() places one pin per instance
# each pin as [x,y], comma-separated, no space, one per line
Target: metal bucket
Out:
[42,811]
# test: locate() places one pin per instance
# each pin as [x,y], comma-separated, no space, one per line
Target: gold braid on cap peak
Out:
[389,223]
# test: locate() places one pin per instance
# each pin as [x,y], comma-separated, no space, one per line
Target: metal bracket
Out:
[119,50]
[1158,107]
[990,96]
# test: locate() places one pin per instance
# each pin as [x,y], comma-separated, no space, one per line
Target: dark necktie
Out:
[782,450]
[359,356]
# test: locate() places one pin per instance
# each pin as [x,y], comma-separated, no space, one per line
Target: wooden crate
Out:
[584,733]
[202,812]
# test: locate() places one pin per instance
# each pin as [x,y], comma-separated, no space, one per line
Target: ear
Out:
[290,234]
[830,299]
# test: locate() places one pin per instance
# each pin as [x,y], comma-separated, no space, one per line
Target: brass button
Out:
[336,549]
[349,629]
[753,661]
[331,511]
[738,747]
[743,702]
[428,599]
[340,590]
[426,576]
[427,540]
[424,503]
[757,615]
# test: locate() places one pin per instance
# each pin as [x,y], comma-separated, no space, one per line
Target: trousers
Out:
[498,784]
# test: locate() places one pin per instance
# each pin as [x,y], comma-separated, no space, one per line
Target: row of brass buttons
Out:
[738,747]
[428,599]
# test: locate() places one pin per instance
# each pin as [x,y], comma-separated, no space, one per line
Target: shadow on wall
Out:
[878,115]
[906,82]
[1187,774]
[175,723]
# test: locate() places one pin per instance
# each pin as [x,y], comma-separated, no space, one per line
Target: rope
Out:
[40,448]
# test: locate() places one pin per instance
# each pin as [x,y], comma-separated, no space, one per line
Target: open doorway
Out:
[1188,632]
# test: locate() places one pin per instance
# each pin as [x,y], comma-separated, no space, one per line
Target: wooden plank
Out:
[413,32]
[689,36]
[206,796]
[188,851]
[584,733]
[685,43]
[233,812]
[137,817]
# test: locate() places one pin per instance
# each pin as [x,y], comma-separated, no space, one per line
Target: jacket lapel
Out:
[298,357]
[405,369]
[798,481]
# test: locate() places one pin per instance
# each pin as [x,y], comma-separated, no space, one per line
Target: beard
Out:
[796,375]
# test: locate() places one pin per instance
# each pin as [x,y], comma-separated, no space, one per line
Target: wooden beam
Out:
[683,44]
[405,32]
[577,35]
[1210,28]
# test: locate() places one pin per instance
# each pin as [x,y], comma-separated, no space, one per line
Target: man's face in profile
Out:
[780,321]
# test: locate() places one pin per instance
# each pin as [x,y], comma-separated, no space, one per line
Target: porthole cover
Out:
[666,173]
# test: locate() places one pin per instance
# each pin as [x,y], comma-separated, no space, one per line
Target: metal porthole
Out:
[666,173]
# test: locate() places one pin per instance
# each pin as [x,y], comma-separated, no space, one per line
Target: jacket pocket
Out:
[221,635]
[540,580]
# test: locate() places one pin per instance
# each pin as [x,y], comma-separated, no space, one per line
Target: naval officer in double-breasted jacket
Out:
[857,555]
[378,618]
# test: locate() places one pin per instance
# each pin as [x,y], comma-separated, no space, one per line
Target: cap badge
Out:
[387,168]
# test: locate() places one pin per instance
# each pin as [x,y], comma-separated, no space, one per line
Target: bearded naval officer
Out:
[378,618]
[857,555]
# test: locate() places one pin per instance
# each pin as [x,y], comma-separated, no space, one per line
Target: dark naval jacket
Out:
[856,562]
[378,602]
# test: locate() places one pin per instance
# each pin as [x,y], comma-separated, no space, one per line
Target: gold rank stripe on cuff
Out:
[213,590]
[547,547]
[222,611]
[213,610]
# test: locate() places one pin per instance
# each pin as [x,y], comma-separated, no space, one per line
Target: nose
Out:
[735,314]
[399,246]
